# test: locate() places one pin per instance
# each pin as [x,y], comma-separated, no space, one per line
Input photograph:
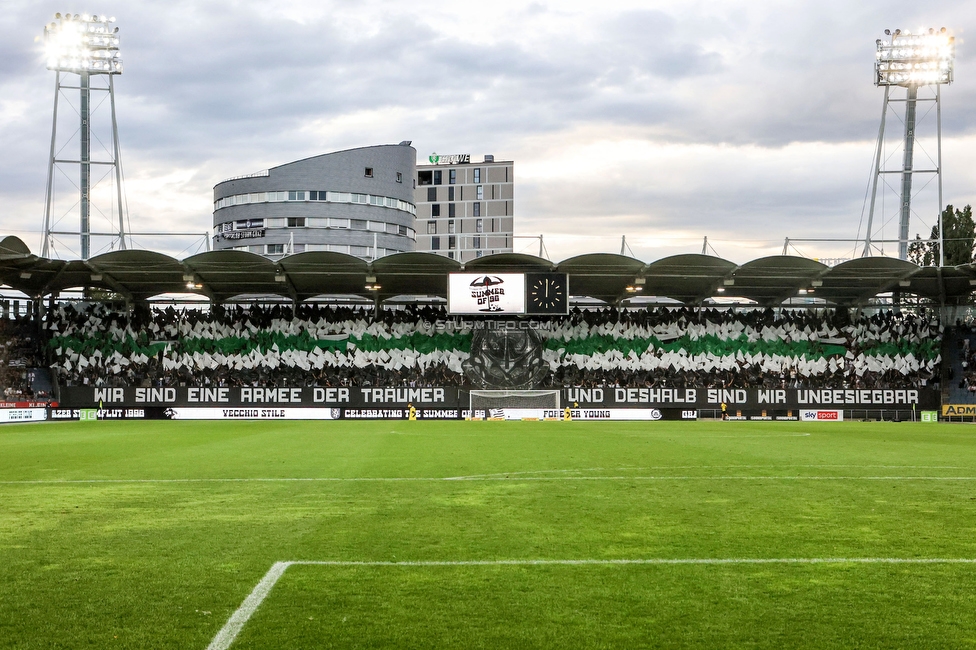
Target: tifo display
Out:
[342,362]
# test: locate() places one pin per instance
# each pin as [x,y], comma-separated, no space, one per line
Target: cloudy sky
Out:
[746,122]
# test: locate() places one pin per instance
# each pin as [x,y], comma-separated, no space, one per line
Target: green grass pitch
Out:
[123,535]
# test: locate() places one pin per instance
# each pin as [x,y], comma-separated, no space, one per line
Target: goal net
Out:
[487,400]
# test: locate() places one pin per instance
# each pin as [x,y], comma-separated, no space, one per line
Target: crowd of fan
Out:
[856,334]
[20,356]
[93,345]
[968,359]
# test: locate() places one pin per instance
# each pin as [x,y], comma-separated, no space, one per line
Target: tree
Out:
[960,233]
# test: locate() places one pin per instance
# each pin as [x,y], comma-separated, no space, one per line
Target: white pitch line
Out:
[638,561]
[475,479]
[236,622]
[225,637]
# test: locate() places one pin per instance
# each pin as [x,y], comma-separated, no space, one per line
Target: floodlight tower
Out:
[910,60]
[86,46]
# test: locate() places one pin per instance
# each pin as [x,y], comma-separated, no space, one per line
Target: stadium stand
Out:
[422,346]
[23,374]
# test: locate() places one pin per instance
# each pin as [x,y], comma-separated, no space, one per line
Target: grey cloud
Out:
[228,88]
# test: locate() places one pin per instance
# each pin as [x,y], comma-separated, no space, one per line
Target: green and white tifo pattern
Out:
[910,346]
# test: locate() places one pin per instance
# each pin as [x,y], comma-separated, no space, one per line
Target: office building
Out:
[465,210]
[357,201]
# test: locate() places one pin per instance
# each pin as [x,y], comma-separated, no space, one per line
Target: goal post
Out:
[486,400]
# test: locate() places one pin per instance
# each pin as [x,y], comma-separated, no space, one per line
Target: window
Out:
[431,193]
[399,177]
[452,176]
[425,178]
[479,253]
[435,243]
[359,198]
[377,226]
[452,242]
[275,249]
[296,196]
[450,226]
[313,196]
[479,225]
[435,210]
[431,227]
[476,209]
[450,194]
[476,242]
[402,230]
[368,173]
[438,176]
[477,175]
[296,222]
[357,224]
[450,254]
[480,193]
[451,209]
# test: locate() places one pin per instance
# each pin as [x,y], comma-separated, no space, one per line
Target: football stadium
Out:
[322,435]
[329,452]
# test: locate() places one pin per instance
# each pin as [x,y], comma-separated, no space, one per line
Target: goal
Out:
[486,400]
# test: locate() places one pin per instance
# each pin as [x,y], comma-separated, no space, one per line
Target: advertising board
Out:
[813,415]
[8,415]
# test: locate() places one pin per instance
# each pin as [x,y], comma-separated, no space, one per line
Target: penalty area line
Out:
[228,633]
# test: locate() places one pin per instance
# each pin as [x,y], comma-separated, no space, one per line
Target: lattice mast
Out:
[910,61]
[86,46]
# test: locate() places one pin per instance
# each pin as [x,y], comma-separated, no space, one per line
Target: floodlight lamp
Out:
[85,46]
[920,59]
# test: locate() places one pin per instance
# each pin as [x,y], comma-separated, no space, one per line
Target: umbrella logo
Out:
[487,291]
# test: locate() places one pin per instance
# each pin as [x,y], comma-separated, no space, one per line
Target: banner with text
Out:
[453,398]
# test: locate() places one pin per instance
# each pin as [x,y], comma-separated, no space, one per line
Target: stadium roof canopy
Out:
[692,279]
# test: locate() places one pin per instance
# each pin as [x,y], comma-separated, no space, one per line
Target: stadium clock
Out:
[546,293]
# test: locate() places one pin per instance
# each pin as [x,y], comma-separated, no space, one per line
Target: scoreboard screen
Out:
[503,294]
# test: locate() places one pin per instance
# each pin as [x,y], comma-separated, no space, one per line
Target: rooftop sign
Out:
[450,159]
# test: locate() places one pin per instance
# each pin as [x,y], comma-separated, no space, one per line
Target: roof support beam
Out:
[885,287]
[114,284]
[204,288]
